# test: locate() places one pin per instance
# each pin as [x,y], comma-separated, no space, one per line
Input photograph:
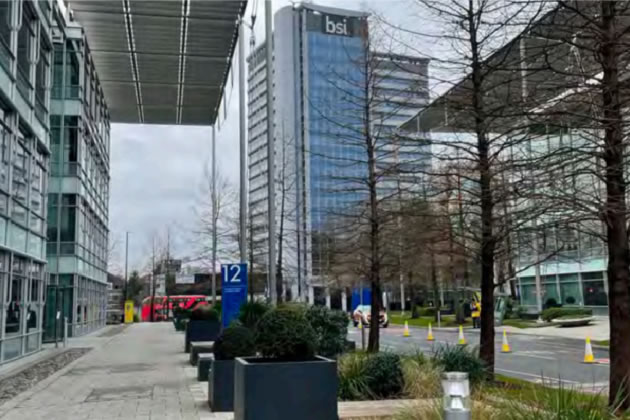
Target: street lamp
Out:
[456,400]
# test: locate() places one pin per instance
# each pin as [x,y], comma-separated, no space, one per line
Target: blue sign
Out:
[233,290]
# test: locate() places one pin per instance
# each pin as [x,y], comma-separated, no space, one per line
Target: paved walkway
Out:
[599,329]
[141,374]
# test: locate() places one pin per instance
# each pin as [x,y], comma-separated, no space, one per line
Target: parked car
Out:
[363,314]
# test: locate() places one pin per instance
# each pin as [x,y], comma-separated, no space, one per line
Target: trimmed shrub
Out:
[234,341]
[204,313]
[285,334]
[217,307]
[353,383]
[331,328]
[384,375]
[554,313]
[428,311]
[251,313]
[461,359]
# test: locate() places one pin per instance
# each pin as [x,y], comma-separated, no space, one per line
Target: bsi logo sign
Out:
[336,25]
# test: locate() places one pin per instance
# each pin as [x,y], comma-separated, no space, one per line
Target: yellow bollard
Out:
[430,335]
[406,330]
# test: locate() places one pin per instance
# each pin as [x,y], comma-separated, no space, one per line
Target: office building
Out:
[401,90]
[25,61]
[319,103]
[78,189]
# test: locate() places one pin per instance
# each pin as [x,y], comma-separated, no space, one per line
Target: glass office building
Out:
[25,62]
[319,55]
[78,192]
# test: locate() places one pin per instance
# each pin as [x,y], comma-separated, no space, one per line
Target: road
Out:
[533,358]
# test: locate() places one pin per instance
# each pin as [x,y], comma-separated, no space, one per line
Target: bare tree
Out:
[478,109]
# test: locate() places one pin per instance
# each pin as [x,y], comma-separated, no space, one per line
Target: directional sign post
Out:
[233,290]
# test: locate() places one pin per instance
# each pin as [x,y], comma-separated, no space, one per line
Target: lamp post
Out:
[456,400]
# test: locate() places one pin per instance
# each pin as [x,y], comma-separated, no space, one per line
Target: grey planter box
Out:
[197,330]
[267,389]
[221,385]
[204,362]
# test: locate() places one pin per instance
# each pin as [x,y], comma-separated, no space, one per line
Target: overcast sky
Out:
[157,171]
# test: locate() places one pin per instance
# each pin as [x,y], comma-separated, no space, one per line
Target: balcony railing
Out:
[23,85]
[6,57]
[67,92]
[40,110]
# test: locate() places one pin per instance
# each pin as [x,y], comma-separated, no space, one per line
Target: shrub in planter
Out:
[204,325]
[235,341]
[250,313]
[204,313]
[554,313]
[384,375]
[289,381]
[461,359]
[331,328]
[286,334]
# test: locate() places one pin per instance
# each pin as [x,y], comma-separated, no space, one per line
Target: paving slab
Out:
[136,374]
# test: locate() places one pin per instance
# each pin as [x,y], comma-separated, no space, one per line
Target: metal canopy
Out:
[161,62]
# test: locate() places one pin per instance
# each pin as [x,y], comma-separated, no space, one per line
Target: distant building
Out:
[316,62]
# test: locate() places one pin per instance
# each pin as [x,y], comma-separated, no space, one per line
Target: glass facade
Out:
[78,195]
[336,94]
[25,54]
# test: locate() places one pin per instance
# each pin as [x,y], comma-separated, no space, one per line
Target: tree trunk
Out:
[486,337]
[413,297]
[434,284]
[615,213]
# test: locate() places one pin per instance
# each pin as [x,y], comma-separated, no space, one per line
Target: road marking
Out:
[538,377]
[535,356]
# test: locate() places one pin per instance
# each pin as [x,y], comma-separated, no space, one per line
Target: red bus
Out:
[160,307]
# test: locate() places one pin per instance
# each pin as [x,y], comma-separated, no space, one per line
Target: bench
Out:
[204,361]
[198,347]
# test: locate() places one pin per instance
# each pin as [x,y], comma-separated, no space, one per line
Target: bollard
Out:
[65,331]
[456,400]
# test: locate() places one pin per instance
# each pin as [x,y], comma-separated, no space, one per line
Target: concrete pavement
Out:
[533,358]
[140,374]
[598,329]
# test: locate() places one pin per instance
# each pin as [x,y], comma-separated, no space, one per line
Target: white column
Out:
[311,294]
[344,301]
[328,298]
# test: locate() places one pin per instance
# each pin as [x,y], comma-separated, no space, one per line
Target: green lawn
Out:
[602,342]
[447,320]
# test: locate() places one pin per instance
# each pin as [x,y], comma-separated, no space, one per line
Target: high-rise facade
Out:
[78,190]
[320,81]
[25,61]
[257,157]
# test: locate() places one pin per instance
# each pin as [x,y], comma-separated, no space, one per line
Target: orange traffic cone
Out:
[505,347]
[430,335]
[588,352]
[462,339]
[406,330]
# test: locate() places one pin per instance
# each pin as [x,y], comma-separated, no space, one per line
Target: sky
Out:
[157,172]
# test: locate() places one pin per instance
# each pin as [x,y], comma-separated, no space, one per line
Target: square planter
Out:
[267,389]
[197,330]
[221,385]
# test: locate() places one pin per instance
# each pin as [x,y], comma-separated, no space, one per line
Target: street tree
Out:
[477,75]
